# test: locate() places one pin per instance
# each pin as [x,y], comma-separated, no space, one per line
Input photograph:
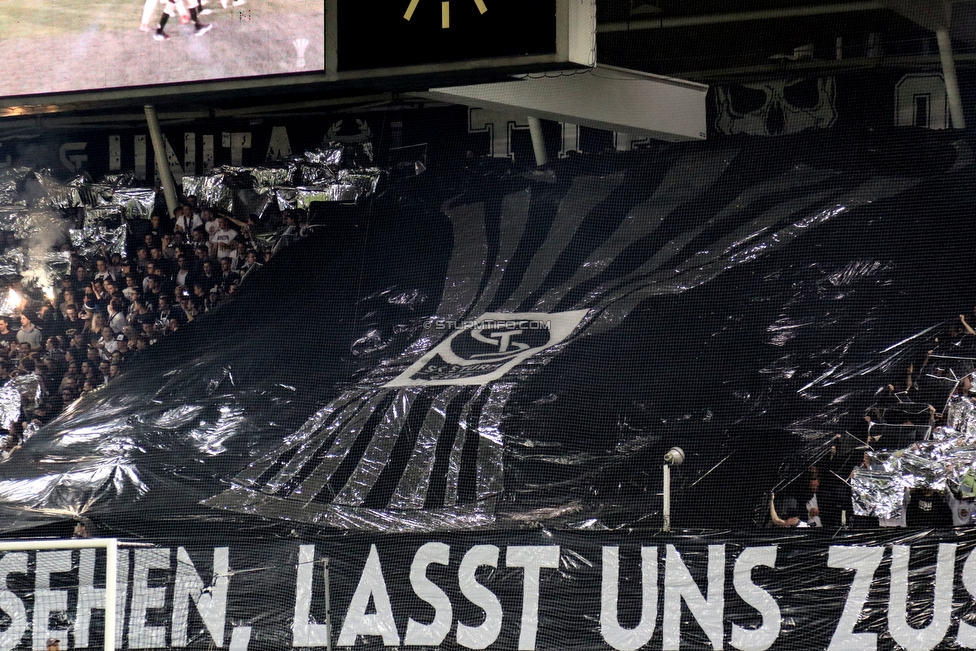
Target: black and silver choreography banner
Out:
[476,348]
[528,591]
[483,370]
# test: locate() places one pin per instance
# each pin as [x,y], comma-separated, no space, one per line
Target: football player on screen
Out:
[187,12]
[225,4]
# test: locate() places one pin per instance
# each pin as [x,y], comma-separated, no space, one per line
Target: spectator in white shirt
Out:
[222,243]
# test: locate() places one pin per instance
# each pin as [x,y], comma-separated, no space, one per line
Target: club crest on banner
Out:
[480,350]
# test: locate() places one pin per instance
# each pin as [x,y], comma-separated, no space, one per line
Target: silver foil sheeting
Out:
[59,262]
[64,197]
[11,178]
[377,454]
[27,224]
[946,461]
[104,216]
[251,202]
[877,493]
[30,205]
[11,218]
[266,178]
[348,187]
[20,393]
[365,179]
[96,195]
[213,190]
[316,175]
[305,197]
[466,516]
[12,262]
[9,405]
[286,198]
[135,203]
[327,157]
[294,183]
[93,241]
[119,180]
[961,418]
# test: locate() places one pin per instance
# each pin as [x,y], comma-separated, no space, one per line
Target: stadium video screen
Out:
[57,47]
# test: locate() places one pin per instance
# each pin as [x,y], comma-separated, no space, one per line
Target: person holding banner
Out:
[787,514]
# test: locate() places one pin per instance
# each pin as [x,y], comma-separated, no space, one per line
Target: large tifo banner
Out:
[534,590]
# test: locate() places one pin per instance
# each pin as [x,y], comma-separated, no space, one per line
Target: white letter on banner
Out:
[210,603]
[615,635]
[46,600]
[479,637]
[91,598]
[10,603]
[144,598]
[864,561]
[920,639]
[303,632]
[967,632]
[357,622]
[532,558]
[432,634]
[679,585]
[763,637]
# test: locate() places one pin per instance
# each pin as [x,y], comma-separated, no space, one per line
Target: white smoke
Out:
[46,233]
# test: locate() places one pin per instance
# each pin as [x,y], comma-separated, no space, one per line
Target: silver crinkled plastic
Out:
[305,197]
[58,263]
[23,391]
[318,173]
[105,215]
[877,493]
[286,198]
[365,180]
[96,194]
[91,242]
[266,178]
[10,217]
[249,202]
[29,223]
[119,180]
[12,261]
[946,460]
[31,202]
[63,197]
[193,186]
[9,405]
[135,203]
[213,190]
[10,179]
[330,156]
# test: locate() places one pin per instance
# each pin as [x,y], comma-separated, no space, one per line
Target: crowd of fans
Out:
[904,413]
[111,307]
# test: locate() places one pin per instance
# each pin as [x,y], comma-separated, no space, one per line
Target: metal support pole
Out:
[111,546]
[111,586]
[667,497]
[538,143]
[951,81]
[328,609]
[162,165]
